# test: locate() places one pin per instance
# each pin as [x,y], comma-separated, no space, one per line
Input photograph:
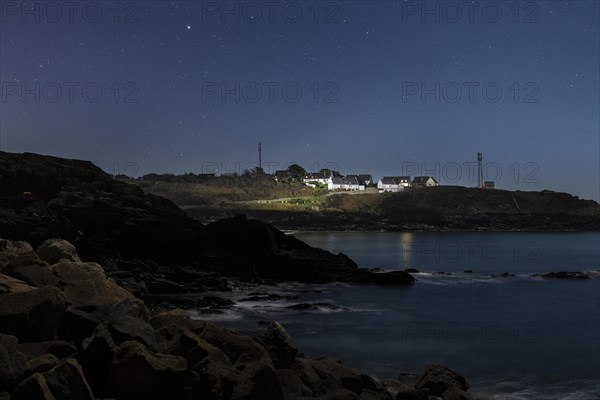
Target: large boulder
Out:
[42,364]
[11,249]
[241,350]
[437,379]
[59,348]
[13,363]
[336,375]
[304,370]
[32,315]
[31,270]
[107,328]
[12,285]
[85,284]
[33,387]
[258,381]
[398,390]
[292,385]
[56,250]
[279,345]
[64,381]
[455,393]
[215,372]
[137,373]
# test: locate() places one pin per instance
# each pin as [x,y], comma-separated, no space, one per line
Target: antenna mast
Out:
[260,155]
[479,171]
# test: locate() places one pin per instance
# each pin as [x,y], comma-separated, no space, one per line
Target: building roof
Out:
[347,180]
[317,175]
[395,180]
[423,179]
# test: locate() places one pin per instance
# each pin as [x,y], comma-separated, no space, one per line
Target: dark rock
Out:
[340,394]
[215,373]
[291,384]
[279,345]
[334,372]
[564,275]
[258,380]
[59,348]
[137,373]
[386,278]
[436,379]
[66,381]
[276,255]
[454,393]
[234,266]
[34,387]
[85,284]
[12,285]
[241,350]
[368,394]
[468,271]
[106,219]
[303,368]
[13,363]
[32,315]
[507,275]
[76,325]
[12,248]
[398,390]
[42,363]
[96,359]
[370,383]
[35,274]
[411,270]
[55,250]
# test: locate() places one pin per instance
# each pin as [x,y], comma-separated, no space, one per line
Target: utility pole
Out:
[260,156]
[479,171]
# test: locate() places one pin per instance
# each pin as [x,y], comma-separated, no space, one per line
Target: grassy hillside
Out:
[218,190]
[295,206]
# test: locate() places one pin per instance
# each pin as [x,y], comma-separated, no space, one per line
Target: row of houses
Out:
[335,181]
[400,183]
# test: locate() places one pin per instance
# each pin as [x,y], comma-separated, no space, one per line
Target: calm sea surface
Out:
[514,337]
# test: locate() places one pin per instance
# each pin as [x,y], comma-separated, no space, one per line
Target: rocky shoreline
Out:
[111,326]
[70,332]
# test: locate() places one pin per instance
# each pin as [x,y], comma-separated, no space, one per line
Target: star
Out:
[189,27]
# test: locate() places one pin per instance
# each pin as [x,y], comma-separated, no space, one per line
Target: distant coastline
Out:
[293,206]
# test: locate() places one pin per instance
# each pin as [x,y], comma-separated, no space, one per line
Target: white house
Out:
[393,183]
[363,179]
[424,181]
[347,183]
[319,178]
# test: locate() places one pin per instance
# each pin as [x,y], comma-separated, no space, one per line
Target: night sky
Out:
[381,87]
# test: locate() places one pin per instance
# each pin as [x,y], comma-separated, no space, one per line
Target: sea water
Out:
[512,335]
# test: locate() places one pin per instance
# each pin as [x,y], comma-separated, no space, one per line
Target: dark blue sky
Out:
[379,87]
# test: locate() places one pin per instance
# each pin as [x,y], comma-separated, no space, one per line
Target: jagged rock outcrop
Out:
[145,242]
